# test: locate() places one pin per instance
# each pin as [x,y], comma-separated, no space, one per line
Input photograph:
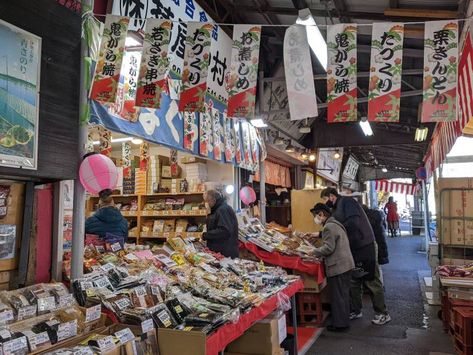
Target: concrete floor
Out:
[415,328]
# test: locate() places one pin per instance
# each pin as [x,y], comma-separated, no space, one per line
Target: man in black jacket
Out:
[363,248]
[378,223]
[222,226]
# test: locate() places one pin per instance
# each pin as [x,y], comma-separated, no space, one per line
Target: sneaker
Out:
[380,319]
[354,315]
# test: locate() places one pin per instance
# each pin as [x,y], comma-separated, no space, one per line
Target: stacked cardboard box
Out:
[140,182]
[129,183]
[156,164]
[196,172]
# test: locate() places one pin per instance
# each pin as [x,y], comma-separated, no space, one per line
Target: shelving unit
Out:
[140,215]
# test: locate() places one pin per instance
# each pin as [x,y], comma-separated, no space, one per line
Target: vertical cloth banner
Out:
[126,159]
[107,71]
[144,155]
[241,83]
[299,74]
[105,141]
[205,132]
[196,63]
[440,71]
[191,131]
[229,140]
[154,63]
[341,73]
[217,128]
[384,95]
[238,142]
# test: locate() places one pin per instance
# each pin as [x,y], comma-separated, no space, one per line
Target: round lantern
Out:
[98,172]
[421,173]
[247,195]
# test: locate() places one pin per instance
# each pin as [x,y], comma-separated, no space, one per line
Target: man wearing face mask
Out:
[338,265]
[364,250]
[222,225]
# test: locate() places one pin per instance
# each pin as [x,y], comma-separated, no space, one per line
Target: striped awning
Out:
[446,133]
[395,187]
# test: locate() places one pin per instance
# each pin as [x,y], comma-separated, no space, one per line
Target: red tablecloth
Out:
[229,332]
[287,262]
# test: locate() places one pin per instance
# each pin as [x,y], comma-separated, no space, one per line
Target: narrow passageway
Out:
[414,328]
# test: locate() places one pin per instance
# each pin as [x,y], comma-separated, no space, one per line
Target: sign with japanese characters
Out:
[217,128]
[254,148]
[154,63]
[219,66]
[126,159]
[205,132]
[191,131]
[299,75]
[247,161]
[440,71]
[238,142]
[112,49]
[196,63]
[229,140]
[384,95]
[241,82]
[341,73]
[351,168]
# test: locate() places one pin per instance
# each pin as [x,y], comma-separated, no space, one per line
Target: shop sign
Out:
[299,75]
[154,63]
[230,144]
[243,75]
[126,160]
[196,63]
[219,66]
[107,70]
[341,73]
[384,95]
[440,71]
[351,168]
[327,166]
[20,61]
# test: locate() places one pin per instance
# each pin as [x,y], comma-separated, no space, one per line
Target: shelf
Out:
[456,246]
[129,213]
[174,194]
[198,213]
[165,235]
[132,235]
[114,196]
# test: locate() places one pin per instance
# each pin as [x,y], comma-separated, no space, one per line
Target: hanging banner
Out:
[238,142]
[107,70]
[217,129]
[205,132]
[154,63]
[384,97]
[254,148]
[263,154]
[299,75]
[144,155]
[126,160]
[229,140]
[241,83]
[247,160]
[219,67]
[196,63]
[105,141]
[440,71]
[341,73]
[191,132]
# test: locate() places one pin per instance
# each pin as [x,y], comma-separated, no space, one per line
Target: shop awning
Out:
[395,187]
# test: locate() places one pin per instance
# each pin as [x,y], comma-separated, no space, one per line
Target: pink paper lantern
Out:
[98,172]
[247,195]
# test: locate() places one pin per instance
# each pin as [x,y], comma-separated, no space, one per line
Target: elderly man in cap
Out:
[338,265]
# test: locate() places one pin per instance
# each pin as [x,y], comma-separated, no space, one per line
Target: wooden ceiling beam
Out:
[421,13]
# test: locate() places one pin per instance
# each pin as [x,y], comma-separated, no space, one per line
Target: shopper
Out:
[393,217]
[363,248]
[107,219]
[378,223]
[338,265]
[222,225]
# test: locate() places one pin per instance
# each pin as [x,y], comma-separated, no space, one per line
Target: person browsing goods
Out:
[222,225]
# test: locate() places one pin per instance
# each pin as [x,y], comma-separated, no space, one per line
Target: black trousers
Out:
[339,287]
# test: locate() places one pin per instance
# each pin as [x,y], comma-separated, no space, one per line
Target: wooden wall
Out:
[59,29]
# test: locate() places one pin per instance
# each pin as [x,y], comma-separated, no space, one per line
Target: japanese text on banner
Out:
[241,83]
[217,128]
[191,131]
[196,63]
[220,54]
[299,75]
[384,95]
[440,71]
[107,71]
[205,132]
[341,73]
[154,63]
[229,140]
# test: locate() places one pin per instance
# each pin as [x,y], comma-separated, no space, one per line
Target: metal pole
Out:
[262,191]
[294,321]
[78,215]
[426,215]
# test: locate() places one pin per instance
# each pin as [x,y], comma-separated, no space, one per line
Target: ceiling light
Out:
[312,157]
[290,148]
[132,42]
[278,140]
[314,37]
[384,170]
[117,140]
[229,189]
[421,134]
[336,155]
[304,129]
[366,127]
[137,141]
[305,156]
[258,123]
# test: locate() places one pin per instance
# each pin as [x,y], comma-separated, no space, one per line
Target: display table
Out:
[231,331]
[287,262]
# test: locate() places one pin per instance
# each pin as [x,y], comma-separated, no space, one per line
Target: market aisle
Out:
[406,333]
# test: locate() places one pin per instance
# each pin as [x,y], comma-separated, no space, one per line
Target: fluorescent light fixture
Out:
[312,157]
[314,37]
[384,170]
[117,140]
[132,42]
[229,189]
[421,134]
[258,123]
[366,127]
[304,129]
[136,141]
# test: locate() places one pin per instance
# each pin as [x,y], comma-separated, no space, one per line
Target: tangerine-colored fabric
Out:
[287,262]
[231,331]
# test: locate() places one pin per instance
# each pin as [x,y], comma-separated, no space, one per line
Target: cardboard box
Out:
[191,159]
[173,342]
[310,284]
[166,172]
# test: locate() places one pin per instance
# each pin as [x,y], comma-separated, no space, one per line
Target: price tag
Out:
[6,316]
[102,282]
[93,313]
[131,257]
[100,249]
[147,325]
[107,267]
[66,300]
[36,340]
[85,285]
[67,330]
[116,247]
[140,291]
[15,345]
[82,350]
[46,304]
[5,333]
[90,292]
[164,318]
[122,303]
[106,344]
[125,335]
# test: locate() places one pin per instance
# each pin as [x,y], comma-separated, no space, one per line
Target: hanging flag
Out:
[384,95]
[217,129]
[196,64]
[107,70]
[299,75]
[205,132]
[341,73]
[440,71]
[237,129]
[126,160]
[254,148]
[229,139]
[241,83]
[191,131]
[219,66]
[154,63]
[262,146]
[247,160]
[144,155]
[105,141]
